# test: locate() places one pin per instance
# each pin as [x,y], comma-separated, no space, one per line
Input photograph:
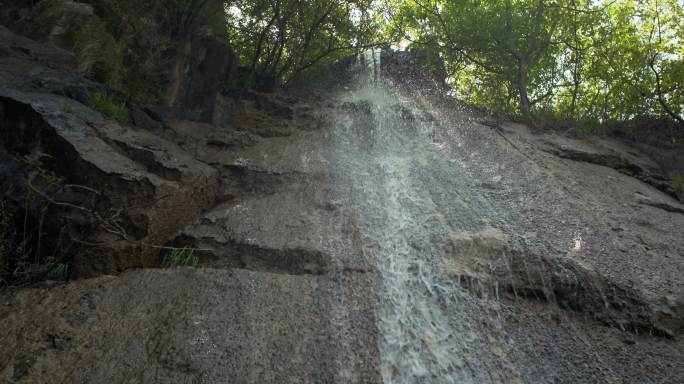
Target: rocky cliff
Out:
[375,231]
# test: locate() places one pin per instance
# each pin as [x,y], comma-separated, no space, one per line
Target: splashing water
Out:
[427,236]
[419,340]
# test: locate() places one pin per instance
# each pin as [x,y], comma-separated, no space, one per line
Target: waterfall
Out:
[419,342]
[368,67]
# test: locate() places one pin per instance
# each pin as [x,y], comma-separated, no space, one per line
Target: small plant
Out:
[108,106]
[59,272]
[678,180]
[66,108]
[180,257]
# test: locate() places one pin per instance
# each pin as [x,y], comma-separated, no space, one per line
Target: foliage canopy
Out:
[595,60]
[598,61]
[279,39]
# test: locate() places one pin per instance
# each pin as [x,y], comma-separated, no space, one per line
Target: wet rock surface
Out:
[373,233]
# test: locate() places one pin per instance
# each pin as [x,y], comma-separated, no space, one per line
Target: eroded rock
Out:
[135,189]
[145,187]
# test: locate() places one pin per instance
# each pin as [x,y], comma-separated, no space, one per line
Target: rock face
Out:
[204,325]
[190,67]
[140,187]
[199,75]
[376,232]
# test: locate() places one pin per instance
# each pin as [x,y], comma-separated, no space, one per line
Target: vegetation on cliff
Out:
[588,61]
[594,61]
[280,39]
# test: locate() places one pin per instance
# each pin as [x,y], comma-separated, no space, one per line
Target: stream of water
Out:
[401,223]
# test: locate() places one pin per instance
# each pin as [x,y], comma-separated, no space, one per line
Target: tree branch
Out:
[659,92]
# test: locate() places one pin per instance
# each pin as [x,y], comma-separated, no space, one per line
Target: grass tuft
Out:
[59,272]
[108,106]
[180,257]
[678,180]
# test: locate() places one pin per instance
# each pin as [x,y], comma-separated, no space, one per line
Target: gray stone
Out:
[355,235]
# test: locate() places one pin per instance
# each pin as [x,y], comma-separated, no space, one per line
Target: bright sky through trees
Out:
[583,60]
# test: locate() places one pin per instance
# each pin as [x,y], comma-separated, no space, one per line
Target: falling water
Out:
[419,341]
[421,229]
[368,67]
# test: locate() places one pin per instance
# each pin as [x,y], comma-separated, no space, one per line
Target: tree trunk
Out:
[659,93]
[522,89]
